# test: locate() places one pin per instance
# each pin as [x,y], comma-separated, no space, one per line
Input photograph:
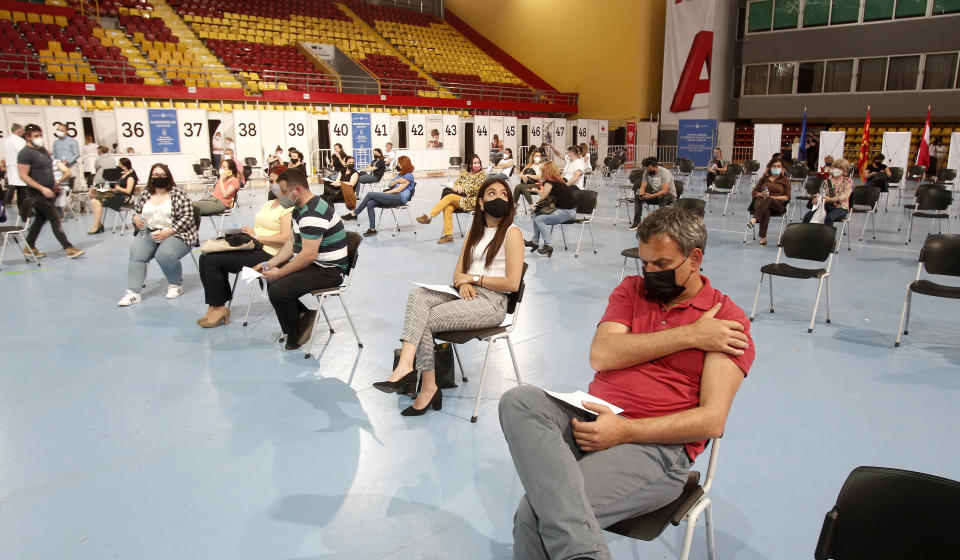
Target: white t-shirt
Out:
[11,148]
[570,170]
[586,163]
[158,216]
[390,158]
[499,265]
[89,153]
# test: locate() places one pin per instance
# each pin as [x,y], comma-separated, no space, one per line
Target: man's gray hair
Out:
[681,225]
[17,127]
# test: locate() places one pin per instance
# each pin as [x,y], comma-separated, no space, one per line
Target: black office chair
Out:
[812,242]
[489,336]
[586,205]
[940,255]
[625,196]
[946,176]
[863,200]
[798,174]
[684,168]
[916,172]
[891,514]
[932,203]
[693,501]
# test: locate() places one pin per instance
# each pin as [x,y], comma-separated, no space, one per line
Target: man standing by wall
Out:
[66,149]
[11,149]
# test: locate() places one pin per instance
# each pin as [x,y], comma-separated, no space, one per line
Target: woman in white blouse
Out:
[166,231]
[489,268]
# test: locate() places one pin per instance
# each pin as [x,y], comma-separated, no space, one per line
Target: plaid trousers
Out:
[429,312]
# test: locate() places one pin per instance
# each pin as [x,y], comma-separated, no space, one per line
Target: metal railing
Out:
[31,67]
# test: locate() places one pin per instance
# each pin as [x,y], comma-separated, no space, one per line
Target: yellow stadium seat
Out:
[40,101]
[56,102]
[70,102]
[46,19]
[102,105]
[33,18]
[6,15]
[128,104]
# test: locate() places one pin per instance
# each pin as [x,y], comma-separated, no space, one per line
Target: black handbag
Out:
[446,191]
[238,239]
[443,364]
[546,205]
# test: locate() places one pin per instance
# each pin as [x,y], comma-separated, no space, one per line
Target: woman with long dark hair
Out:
[489,268]
[770,197]
[223,192]
[115,198]
[459,196]
[399,191]
[167,231]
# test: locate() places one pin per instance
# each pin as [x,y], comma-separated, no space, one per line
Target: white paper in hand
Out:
[248,274]
[576,398]
[442,288]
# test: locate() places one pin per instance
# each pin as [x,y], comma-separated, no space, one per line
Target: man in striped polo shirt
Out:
[314,258]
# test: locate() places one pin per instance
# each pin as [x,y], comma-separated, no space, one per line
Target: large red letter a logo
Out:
[690,84]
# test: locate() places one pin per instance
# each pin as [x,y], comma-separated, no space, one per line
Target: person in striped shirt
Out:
[315,257]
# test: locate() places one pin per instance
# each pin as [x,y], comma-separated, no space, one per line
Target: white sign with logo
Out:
[602,139]
[132,130]
[194,135]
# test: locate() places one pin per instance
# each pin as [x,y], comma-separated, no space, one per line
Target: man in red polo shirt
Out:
[671,351]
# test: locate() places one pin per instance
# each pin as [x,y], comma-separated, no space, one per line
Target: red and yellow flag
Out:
[864,147]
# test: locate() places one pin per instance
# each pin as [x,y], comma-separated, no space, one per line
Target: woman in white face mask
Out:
[770,197]
[530,178]
[835,193]
[271,229]
[224,191]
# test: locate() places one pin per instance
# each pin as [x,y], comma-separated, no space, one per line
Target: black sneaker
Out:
[348,217]
[370,232]
[634,225]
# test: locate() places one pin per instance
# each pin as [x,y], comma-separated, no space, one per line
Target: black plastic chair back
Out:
[916,171]
[812,185]
[250,161]
[516,297]
[733,170]
[636,176]
[896,175]
[678,184]
[865,196]
[798,171]
[946,175]
[810,242]
[941,254]
[112,175]
[685,165]
[206,163]
[456,161]
[695,205]
[884,513]
[197,170]
[586,201]
[752,166]
[933,198]
[722,182]
[353,244]
[247,172]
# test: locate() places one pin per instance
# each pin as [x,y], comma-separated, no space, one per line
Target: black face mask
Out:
[662,285]
[496,208]
[161,182]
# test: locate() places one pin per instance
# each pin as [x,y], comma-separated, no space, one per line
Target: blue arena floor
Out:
[133,433]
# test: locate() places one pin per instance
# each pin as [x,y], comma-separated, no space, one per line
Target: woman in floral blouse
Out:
[460,196]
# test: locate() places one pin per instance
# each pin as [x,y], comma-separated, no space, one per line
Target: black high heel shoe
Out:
[546,250]
[402,385]
[531,244]
[436,401]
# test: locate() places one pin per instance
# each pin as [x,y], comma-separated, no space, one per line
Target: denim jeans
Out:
[542,223]
[374,199]
[168,254]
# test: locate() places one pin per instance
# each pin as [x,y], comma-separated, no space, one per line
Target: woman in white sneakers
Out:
[166,232]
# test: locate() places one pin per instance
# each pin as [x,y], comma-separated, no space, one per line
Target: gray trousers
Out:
[429,312]
[209,206]
[572,496]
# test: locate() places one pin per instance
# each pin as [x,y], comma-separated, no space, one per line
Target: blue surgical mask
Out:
[775,171]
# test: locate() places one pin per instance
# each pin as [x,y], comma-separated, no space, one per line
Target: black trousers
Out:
[285,294]
[44,211]
[660,202]
[216,267]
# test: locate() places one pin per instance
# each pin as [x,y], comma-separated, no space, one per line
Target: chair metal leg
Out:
[770,285]
[692,517]
[513,358]
[233,290]
[592,242]
[396,222]
[726,202]
[409,219]
[746,230]
[250,302]
[346,311]
[906,324]
[708,522]
[816,304]
[756,298]
[623,268]
[315,321]
[903,319]
[843,228]
[326,319]
[909,230]
[579,240]
[483,375]
[562,235]
[463,372]
[828,299]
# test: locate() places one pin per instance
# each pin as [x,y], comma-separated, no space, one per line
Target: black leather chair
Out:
[696,205]
[811,188]
[812,242]
[489,336]
[891,514]
[940,255]
[722,186]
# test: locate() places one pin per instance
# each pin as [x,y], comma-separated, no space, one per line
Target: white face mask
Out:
[38,141]
[836,172]
[567,158]
[58,133]
[537,159]
[228,156]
